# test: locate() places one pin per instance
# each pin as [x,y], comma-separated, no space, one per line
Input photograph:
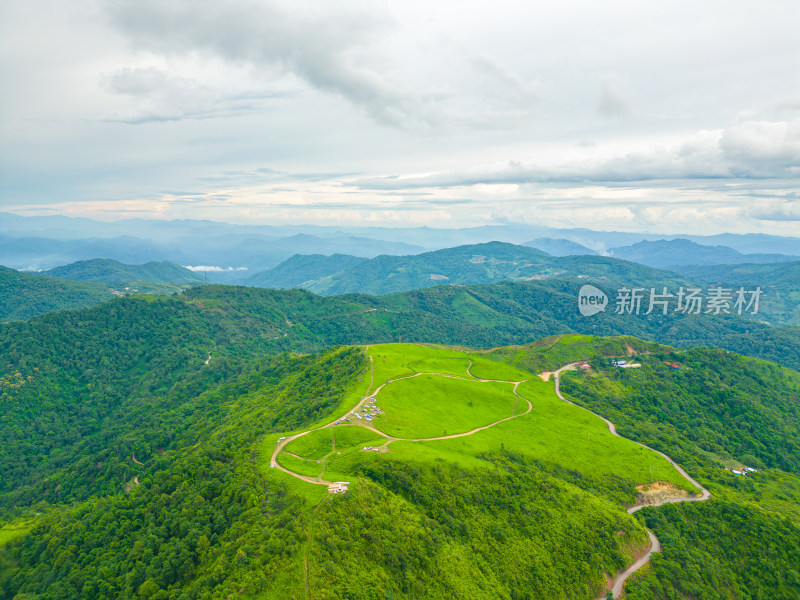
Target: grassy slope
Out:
[313,445]
[431,405]
[427,406]
[554,433]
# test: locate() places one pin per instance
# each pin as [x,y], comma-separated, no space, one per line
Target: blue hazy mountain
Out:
[672,253]
[559,247]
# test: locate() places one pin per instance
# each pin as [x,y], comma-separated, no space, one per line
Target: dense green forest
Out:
[480,264]
[779,281]
[479,316]
[77,386]
[716,404]
[23,295]
[199,510]
[301,269]
[201,516]
[112,272]
[439,531]
[718,410]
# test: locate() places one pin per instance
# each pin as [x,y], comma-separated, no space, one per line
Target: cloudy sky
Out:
[666,116]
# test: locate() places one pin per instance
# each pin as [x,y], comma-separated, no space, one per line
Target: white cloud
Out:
[214,269]
[762,148]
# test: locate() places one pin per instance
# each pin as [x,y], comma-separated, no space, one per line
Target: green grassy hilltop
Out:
[438,424]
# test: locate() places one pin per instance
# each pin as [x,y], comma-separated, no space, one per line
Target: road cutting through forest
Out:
[619,580]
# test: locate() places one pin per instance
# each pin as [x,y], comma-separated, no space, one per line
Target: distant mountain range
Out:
[475,264]
[492,262]
[559,247]
[780,282]
[665,254]
[38,243]
[227,257]
[86,283]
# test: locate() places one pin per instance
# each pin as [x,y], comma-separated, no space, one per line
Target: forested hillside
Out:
[112,272]
[672,254]
[482,263]
[251,319]
[191,512]
[780,281]
[716,413]
[301,269]
[23,296]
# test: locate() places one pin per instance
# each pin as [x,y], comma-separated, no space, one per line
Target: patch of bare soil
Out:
[659,492]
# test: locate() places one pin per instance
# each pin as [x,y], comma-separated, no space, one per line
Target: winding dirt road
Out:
[389,439]
[618,583]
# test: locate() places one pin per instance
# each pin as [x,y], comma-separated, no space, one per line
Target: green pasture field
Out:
[391,361]
[555,352]
[449,365]
[312,493]
[313,445]
[431,406]
[333,462]
[310,468]
[352,435]
[484,368]
[558,433]
[428,406]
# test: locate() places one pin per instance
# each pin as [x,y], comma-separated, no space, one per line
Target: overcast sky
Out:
[665,116]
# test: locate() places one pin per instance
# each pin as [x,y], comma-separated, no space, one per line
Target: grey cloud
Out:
[777,210]
[267,175]
[502,94]
[777,216]
[400,204]
[763,148]
[322,44]
[158,96]
[750,149]
[614,101]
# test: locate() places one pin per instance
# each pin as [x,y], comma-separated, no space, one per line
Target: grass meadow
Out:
[431,405]
[428,406]
[313,445]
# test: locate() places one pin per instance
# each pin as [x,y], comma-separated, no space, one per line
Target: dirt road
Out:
[618,583]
